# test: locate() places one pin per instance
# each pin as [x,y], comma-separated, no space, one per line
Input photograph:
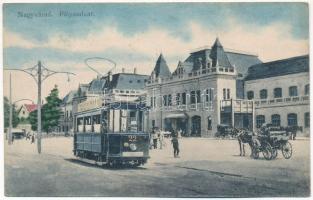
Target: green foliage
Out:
[6,112]
[50,112]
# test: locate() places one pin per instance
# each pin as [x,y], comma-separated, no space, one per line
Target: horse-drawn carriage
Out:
[269,141]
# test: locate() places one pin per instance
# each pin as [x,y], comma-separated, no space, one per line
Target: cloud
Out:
[271,42]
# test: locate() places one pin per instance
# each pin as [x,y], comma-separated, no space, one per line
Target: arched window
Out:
[293,91]
[307,119]
[292,119]
[307,89]
[260,119]
[278,93]
[276,120]
[250,95]
[263,94]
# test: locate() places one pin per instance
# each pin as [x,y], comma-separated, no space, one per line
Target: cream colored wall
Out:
[284,82]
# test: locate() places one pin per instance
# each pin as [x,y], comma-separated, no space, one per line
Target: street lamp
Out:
[39,74]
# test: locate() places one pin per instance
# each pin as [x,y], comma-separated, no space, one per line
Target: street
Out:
[206,168]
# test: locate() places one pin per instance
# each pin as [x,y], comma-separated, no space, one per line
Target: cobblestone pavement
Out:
[206,168]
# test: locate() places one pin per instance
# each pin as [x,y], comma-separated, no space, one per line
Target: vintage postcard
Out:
[175,99]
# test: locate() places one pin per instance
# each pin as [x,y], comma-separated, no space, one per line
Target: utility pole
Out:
[10,117]
[39,109]
[37,73]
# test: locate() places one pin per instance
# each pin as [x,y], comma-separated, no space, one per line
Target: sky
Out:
[134,35]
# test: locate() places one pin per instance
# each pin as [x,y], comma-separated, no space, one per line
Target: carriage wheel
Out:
[267,151]
[274,153]
[255,153]
[287,150]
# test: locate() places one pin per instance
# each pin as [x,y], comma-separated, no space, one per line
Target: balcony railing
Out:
[237,106]
[186,107]
[201,72]
[282,101]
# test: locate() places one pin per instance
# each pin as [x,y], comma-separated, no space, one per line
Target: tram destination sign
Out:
[89,104]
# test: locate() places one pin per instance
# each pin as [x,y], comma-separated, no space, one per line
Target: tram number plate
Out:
[132,154]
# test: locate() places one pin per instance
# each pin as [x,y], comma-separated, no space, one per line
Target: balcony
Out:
[301,100]
[237,106]
[190,107]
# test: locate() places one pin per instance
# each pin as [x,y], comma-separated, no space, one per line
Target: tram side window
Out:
[104,122]
[80,125]
[96,123]
[88,127]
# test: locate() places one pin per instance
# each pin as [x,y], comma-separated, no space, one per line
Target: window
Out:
[169,99]
[154,102]
[263,94]
[307,119]
[292,119]
[293,91]
[276,120]
[193,97]
[23,112]
[198,96]
[228,93]
[209,94]
[130,81]
[307,89]
[260,119]
[178,100]
[250,95]
[138,81]
[277,93]
[151,101]
[183,98]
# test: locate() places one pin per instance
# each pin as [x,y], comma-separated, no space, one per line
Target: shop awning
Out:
[176,115]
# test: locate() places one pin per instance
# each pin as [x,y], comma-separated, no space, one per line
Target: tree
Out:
[50,112]
[6,109]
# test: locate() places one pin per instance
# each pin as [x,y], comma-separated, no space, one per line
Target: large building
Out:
[214,86]
[191,97]
[280,90]
[112,87]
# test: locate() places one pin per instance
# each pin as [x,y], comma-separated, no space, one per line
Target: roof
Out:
[69,97]
[279,68]
[127,81]
[97,85]
[161,69]
[30,107]
[240,61]
[218,55]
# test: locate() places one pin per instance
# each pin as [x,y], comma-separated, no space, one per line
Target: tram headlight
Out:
[126,144]
[133,147]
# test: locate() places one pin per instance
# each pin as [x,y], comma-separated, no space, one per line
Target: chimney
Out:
[135,70]
[109,76]
[123,70]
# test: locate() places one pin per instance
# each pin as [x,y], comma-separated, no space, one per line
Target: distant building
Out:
[119,87]
[26,109]
[281,92]
[191,97]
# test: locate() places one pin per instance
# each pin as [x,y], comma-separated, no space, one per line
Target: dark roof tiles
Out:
[279,68]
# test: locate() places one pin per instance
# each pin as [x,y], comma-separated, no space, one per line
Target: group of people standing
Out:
[158,137]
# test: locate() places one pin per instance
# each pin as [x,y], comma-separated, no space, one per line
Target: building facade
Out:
[280,90]
[191,97]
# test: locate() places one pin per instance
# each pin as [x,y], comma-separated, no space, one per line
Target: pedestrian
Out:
[12,139]
[33,139]
[155,140]
[161,139]
[175,146]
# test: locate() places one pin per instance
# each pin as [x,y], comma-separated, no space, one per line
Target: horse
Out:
[244,137]
[292,130]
